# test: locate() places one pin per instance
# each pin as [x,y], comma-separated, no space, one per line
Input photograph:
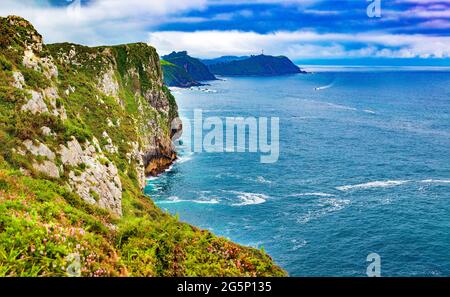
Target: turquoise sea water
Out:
[364,167]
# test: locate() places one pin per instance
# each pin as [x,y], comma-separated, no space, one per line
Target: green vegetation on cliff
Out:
[176,76]
[78,128]
[182,70]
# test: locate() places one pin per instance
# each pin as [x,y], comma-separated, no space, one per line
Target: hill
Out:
[223,59]
[261,65]
[176,76]
[183,70]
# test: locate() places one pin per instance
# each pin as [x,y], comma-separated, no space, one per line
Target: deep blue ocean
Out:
[364,167]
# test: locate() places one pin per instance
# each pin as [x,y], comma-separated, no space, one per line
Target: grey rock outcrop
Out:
[98,182]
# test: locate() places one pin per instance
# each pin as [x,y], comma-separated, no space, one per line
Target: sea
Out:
[363,168]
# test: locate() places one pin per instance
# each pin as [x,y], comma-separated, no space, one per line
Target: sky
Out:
[331,32]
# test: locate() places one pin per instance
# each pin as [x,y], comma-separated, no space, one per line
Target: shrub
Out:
[34,78]
[12,95]
[74,129]
[5,65]
[28,126]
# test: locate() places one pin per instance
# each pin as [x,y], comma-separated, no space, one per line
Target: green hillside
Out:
[261,65]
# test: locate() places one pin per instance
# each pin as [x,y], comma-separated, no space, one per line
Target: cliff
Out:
[80,128]
[182,70]
[176,76]
[261,65]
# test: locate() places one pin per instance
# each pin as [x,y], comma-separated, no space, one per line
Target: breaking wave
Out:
[324,87]
[176,199]
[262,180]
[249,198]
[374,184]
[317,194]
[327,205]
[436,181]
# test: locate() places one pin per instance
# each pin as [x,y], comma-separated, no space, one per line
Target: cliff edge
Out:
[80,129]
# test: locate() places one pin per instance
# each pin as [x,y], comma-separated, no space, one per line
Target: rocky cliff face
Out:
[182,70]
[80,128]
[109,102]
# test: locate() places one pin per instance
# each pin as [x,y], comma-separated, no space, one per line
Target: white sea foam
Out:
[262,180]
[369,111]
[324,87]
[175,89]
[204,90]
[298,244]
[184,158]
[249,198]
[169,168]
[436,181]
[211,201]
[227,175]
[327,205]
[373,184]
[176,199]
[318,194]
[338,106]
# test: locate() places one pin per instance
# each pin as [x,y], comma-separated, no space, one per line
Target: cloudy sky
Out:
[409,32]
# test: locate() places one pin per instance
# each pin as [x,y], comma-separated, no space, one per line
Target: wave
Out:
[169,168]
[250,198]
[175,88]
[184,158]
[262,180]
[339,106]
[176,199]
[373,184]
[318,194]
[436,181]
[325,87]
[330,104]
[369,111]
[328,205]
[204,90]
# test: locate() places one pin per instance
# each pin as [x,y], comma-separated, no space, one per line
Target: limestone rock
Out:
[46,131]
[136,154]
[30,60]
[72,153]
[39,149]
[109,85]
[100,176]
[19,80]
[48,168]
[36,104]
[110,147]
[50,69]
[51,93]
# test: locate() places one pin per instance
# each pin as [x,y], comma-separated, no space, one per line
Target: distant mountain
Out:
[189,70]
[223,59]
[261,65]
[176,76]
